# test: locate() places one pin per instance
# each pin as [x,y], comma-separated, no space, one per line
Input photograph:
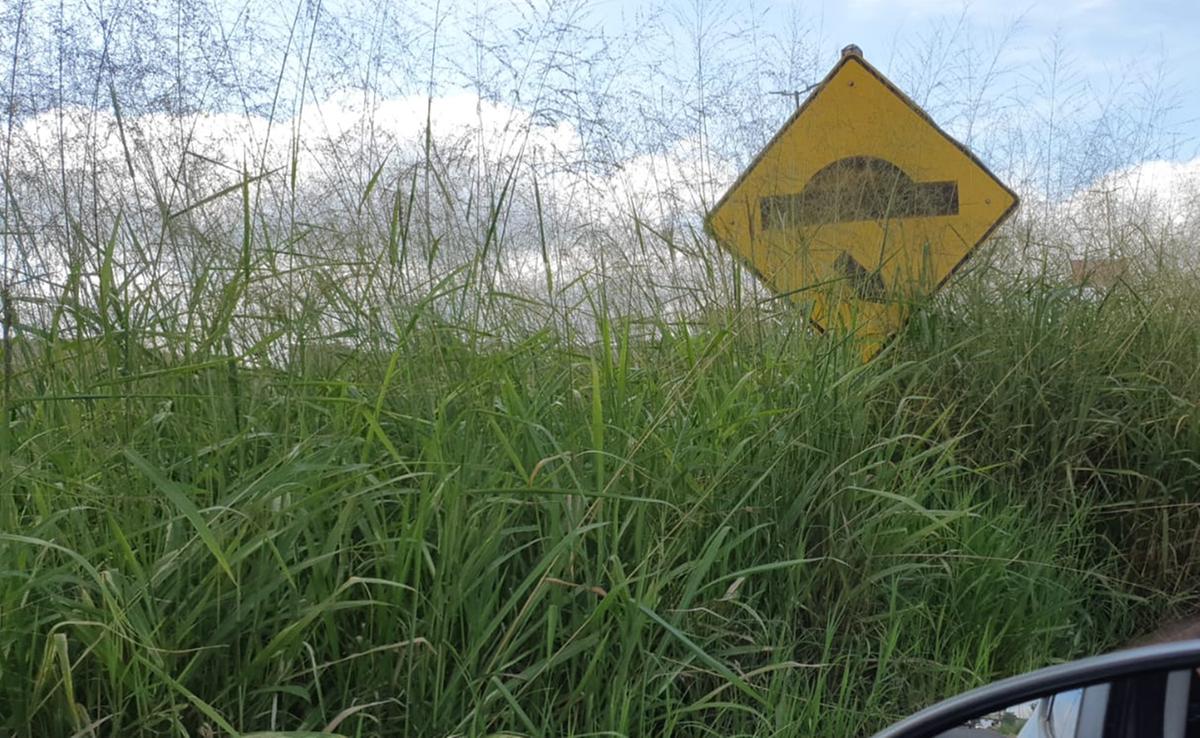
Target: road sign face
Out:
[860,205]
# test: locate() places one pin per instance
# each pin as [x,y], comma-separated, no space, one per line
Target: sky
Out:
[1114,50]
[1110,44]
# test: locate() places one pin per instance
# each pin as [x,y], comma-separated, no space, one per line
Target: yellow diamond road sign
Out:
[860,205]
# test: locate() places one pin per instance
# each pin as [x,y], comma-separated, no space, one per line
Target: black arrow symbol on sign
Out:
[867,285]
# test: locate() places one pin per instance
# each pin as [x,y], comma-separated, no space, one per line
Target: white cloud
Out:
[1147,214]
[339,142]
[1171,185]
[332,150]
[1167,190]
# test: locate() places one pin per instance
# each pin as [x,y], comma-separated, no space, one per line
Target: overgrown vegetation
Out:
[401,431]
[723,528]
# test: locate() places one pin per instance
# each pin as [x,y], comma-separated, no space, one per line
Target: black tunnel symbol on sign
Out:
[859,188]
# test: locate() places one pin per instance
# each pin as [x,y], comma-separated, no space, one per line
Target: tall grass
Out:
[724,526]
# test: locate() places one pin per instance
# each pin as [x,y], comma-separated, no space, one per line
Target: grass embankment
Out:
[732,530]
